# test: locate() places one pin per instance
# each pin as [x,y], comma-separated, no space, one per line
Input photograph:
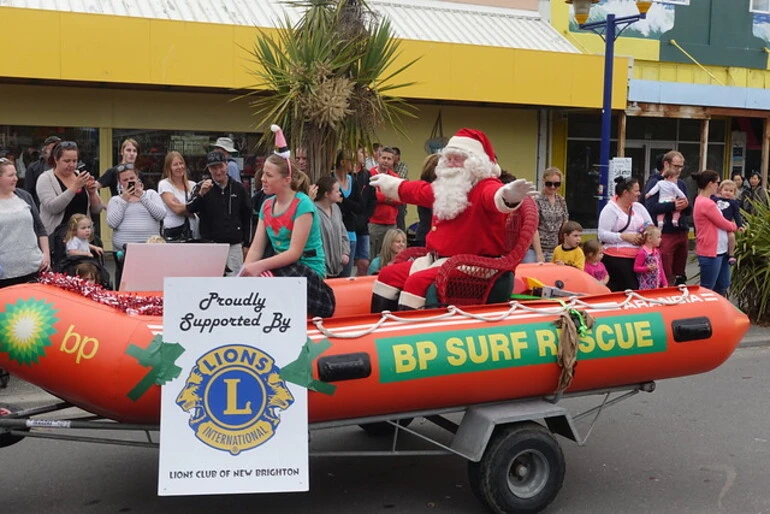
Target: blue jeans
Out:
[347,269]
[715,273]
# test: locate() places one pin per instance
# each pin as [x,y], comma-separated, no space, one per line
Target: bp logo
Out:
[234,395]
[25,330]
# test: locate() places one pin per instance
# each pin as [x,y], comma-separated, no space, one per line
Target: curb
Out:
[754,341]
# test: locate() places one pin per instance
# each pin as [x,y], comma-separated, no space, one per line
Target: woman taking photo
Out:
[134,215]
[24,249]
[620,230]
[64,190]
[711,229]
[129,151]
[288,219]
[552,209]
[176,190]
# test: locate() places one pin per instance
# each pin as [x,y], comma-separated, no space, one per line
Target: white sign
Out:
[619,167]
[230,423]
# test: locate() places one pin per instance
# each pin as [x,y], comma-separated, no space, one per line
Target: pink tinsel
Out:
[128,303]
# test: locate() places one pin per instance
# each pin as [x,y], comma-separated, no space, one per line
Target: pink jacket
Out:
[708,220]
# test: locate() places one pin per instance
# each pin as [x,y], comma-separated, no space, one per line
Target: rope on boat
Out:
[570,303]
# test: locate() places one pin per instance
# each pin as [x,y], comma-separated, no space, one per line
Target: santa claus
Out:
[470,206]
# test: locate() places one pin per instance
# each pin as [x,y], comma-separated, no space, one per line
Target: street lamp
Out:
[609,30]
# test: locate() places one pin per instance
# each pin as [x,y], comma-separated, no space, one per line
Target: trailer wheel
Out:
[7,439]
[521,471]
[383,428]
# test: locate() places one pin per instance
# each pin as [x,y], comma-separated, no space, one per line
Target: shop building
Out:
[168,74]
[698,82]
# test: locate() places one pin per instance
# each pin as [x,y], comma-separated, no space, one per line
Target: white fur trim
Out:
[500,203]
[411,300]
[467,144]
[384,290]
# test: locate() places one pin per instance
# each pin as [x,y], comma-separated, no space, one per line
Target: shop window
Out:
[656,129]
[760,6]
[689,130]
[589,125]
[23,143]
[155,144]
[582,181]
[717,131]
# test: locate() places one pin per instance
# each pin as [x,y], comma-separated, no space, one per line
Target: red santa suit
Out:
[478,230]
[470,206]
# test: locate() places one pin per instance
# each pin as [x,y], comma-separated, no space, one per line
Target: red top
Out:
[478,230]
[386,210]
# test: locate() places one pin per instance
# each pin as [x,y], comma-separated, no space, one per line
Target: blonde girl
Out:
[80,233]
[393,243]
[288,219]
[594,251]
[648,264]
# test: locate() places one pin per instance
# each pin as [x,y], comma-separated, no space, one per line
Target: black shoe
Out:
[680,280]
[380,303]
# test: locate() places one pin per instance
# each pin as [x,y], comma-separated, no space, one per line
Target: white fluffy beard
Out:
[452,185]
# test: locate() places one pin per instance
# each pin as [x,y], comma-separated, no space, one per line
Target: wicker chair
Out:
[468,279]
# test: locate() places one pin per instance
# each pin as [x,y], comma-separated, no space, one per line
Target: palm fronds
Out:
[750,287]
[329,79]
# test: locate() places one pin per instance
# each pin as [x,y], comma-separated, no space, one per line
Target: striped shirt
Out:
[135,222]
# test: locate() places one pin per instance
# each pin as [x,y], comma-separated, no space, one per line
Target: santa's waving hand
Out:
[470,206]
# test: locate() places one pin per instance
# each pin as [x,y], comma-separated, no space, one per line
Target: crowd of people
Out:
[351,221]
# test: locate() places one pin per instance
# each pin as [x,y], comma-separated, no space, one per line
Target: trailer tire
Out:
[7,439]
[521,471]
[383,428]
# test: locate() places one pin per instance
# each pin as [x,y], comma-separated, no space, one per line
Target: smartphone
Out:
[81,167]
[130,184]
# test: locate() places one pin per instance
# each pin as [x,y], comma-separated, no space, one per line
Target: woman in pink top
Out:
[711,230]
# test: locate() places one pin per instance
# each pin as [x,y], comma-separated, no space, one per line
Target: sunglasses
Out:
[3,160]
[68,145]
[123,167]
[548,183]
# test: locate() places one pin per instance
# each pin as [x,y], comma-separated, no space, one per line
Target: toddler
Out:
[156,239]
[668,192]
[88,272]
[80,233]
[569,252]
[648,264]
[594,251]
[731,210]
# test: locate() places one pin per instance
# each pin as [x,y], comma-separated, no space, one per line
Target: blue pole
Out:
[604,152]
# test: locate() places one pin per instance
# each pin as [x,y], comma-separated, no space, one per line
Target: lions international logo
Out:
[234,395]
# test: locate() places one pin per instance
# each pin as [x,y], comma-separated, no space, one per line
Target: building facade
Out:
[698,82]
[169,75]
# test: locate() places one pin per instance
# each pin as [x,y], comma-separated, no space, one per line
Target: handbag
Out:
[180,234]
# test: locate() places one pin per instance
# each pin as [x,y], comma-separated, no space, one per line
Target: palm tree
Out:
[327,80]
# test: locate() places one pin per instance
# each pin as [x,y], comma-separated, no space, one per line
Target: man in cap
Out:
[226,147]
[224,210]
[470,207]
[38,167]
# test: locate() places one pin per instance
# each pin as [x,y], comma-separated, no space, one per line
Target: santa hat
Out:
[474,142]
[281,147]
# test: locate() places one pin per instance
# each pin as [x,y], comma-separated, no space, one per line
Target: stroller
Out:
[61,263]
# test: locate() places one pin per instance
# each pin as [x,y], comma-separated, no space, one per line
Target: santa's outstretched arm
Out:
[413,192]
[509,197]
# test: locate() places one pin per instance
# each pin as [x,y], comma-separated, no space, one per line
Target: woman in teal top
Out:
[289,220]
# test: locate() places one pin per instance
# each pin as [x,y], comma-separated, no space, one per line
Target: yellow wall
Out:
[512,131]
[116,49]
